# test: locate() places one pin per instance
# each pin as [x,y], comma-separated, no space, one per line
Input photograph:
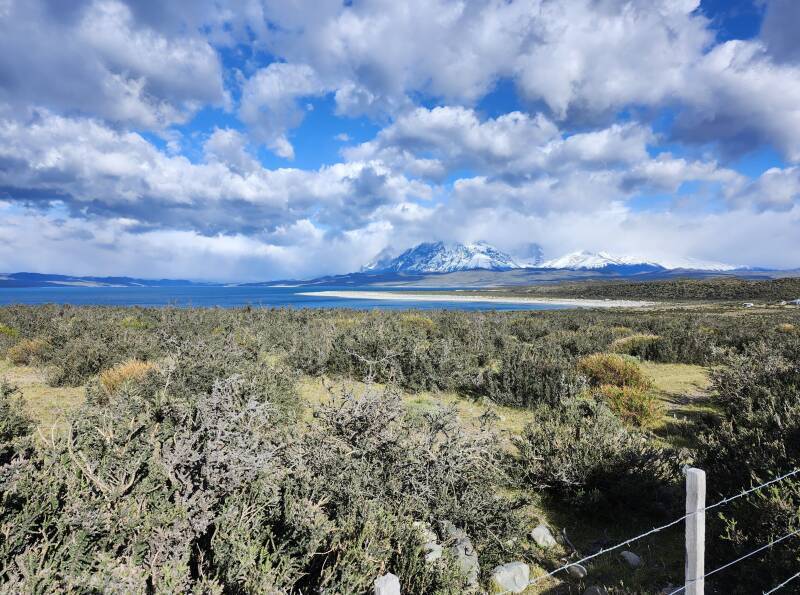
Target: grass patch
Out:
[683,390]
[49,406]
[507,421]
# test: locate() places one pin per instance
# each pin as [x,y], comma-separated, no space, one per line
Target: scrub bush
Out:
[638,345]
[756,439]
[167,490]
[612,369]
[582,452]
[15,424]
[27,352]
[532,375]
[632,404]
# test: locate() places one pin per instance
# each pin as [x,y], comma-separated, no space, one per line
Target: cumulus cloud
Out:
[779,30]
[97,171]
[94,58]
[269,103]
[102,164]
[583,59]
[775,190]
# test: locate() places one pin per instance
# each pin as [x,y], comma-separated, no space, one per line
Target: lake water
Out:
[231,297]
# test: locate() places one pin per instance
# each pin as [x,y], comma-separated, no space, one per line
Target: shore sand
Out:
[452,297]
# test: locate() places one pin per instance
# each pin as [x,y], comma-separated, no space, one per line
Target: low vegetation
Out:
[682,289]
[198,457]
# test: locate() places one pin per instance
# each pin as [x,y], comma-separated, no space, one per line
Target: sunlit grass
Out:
[49,406]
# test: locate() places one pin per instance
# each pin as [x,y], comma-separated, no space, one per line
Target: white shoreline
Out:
[416,297]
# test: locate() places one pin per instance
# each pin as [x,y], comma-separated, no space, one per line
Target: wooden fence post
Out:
[695,531]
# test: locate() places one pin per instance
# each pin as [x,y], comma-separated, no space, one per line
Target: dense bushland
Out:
[582,452]
[685,289]
[192,467]
[187,476]
[518,358]
[757,438]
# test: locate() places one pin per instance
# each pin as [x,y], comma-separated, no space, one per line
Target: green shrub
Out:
[7,331]
[632,404]
[162,490]
[530,375]
[15,424]
[756,439]
[612,369]
[636,345]
[582,452]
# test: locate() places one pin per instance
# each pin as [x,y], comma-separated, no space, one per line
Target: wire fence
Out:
[682,519]
[783,584]
[739,559]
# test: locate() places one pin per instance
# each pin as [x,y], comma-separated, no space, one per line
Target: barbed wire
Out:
[783,584]
[739,559]
[663,527]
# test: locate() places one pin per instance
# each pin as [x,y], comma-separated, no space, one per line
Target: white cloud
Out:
[269,103]
[100,172]
[94,58]
[775,190]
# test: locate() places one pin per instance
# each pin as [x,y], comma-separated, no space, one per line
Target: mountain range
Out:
[441,264]
[441,257]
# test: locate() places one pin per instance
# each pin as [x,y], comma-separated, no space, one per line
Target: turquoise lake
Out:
[233,297]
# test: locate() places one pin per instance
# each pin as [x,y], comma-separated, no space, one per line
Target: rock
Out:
[577,571]
[595,590]
[427,533]
[433,551]
[543,538]
[513,577]
[388,584]
[463,552]
[453,532]
[631,559]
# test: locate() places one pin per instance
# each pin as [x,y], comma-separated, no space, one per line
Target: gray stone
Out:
[453,532]
[388,584]
[631,559]
[462,551]
[595,590]
[543,538]
[433,551]
[427,533]
[577,571]
[513,577]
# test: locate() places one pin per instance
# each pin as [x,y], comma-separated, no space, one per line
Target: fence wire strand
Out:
[740,558]
[667,526]
[783,584]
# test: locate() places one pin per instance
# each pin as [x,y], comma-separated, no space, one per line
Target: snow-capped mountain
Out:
[441,257]
[600,260]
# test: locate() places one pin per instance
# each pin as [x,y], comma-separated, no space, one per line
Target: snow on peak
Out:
[597,260]
[441,257]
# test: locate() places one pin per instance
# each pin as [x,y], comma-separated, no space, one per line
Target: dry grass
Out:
[128,372]
[49,406]
[633,405]
[632,342]
[26,351]
[683,389]
[611,368]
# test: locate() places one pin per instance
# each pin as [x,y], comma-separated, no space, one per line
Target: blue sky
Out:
[256,139]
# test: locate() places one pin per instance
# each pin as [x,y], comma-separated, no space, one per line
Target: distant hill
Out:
[47,280]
